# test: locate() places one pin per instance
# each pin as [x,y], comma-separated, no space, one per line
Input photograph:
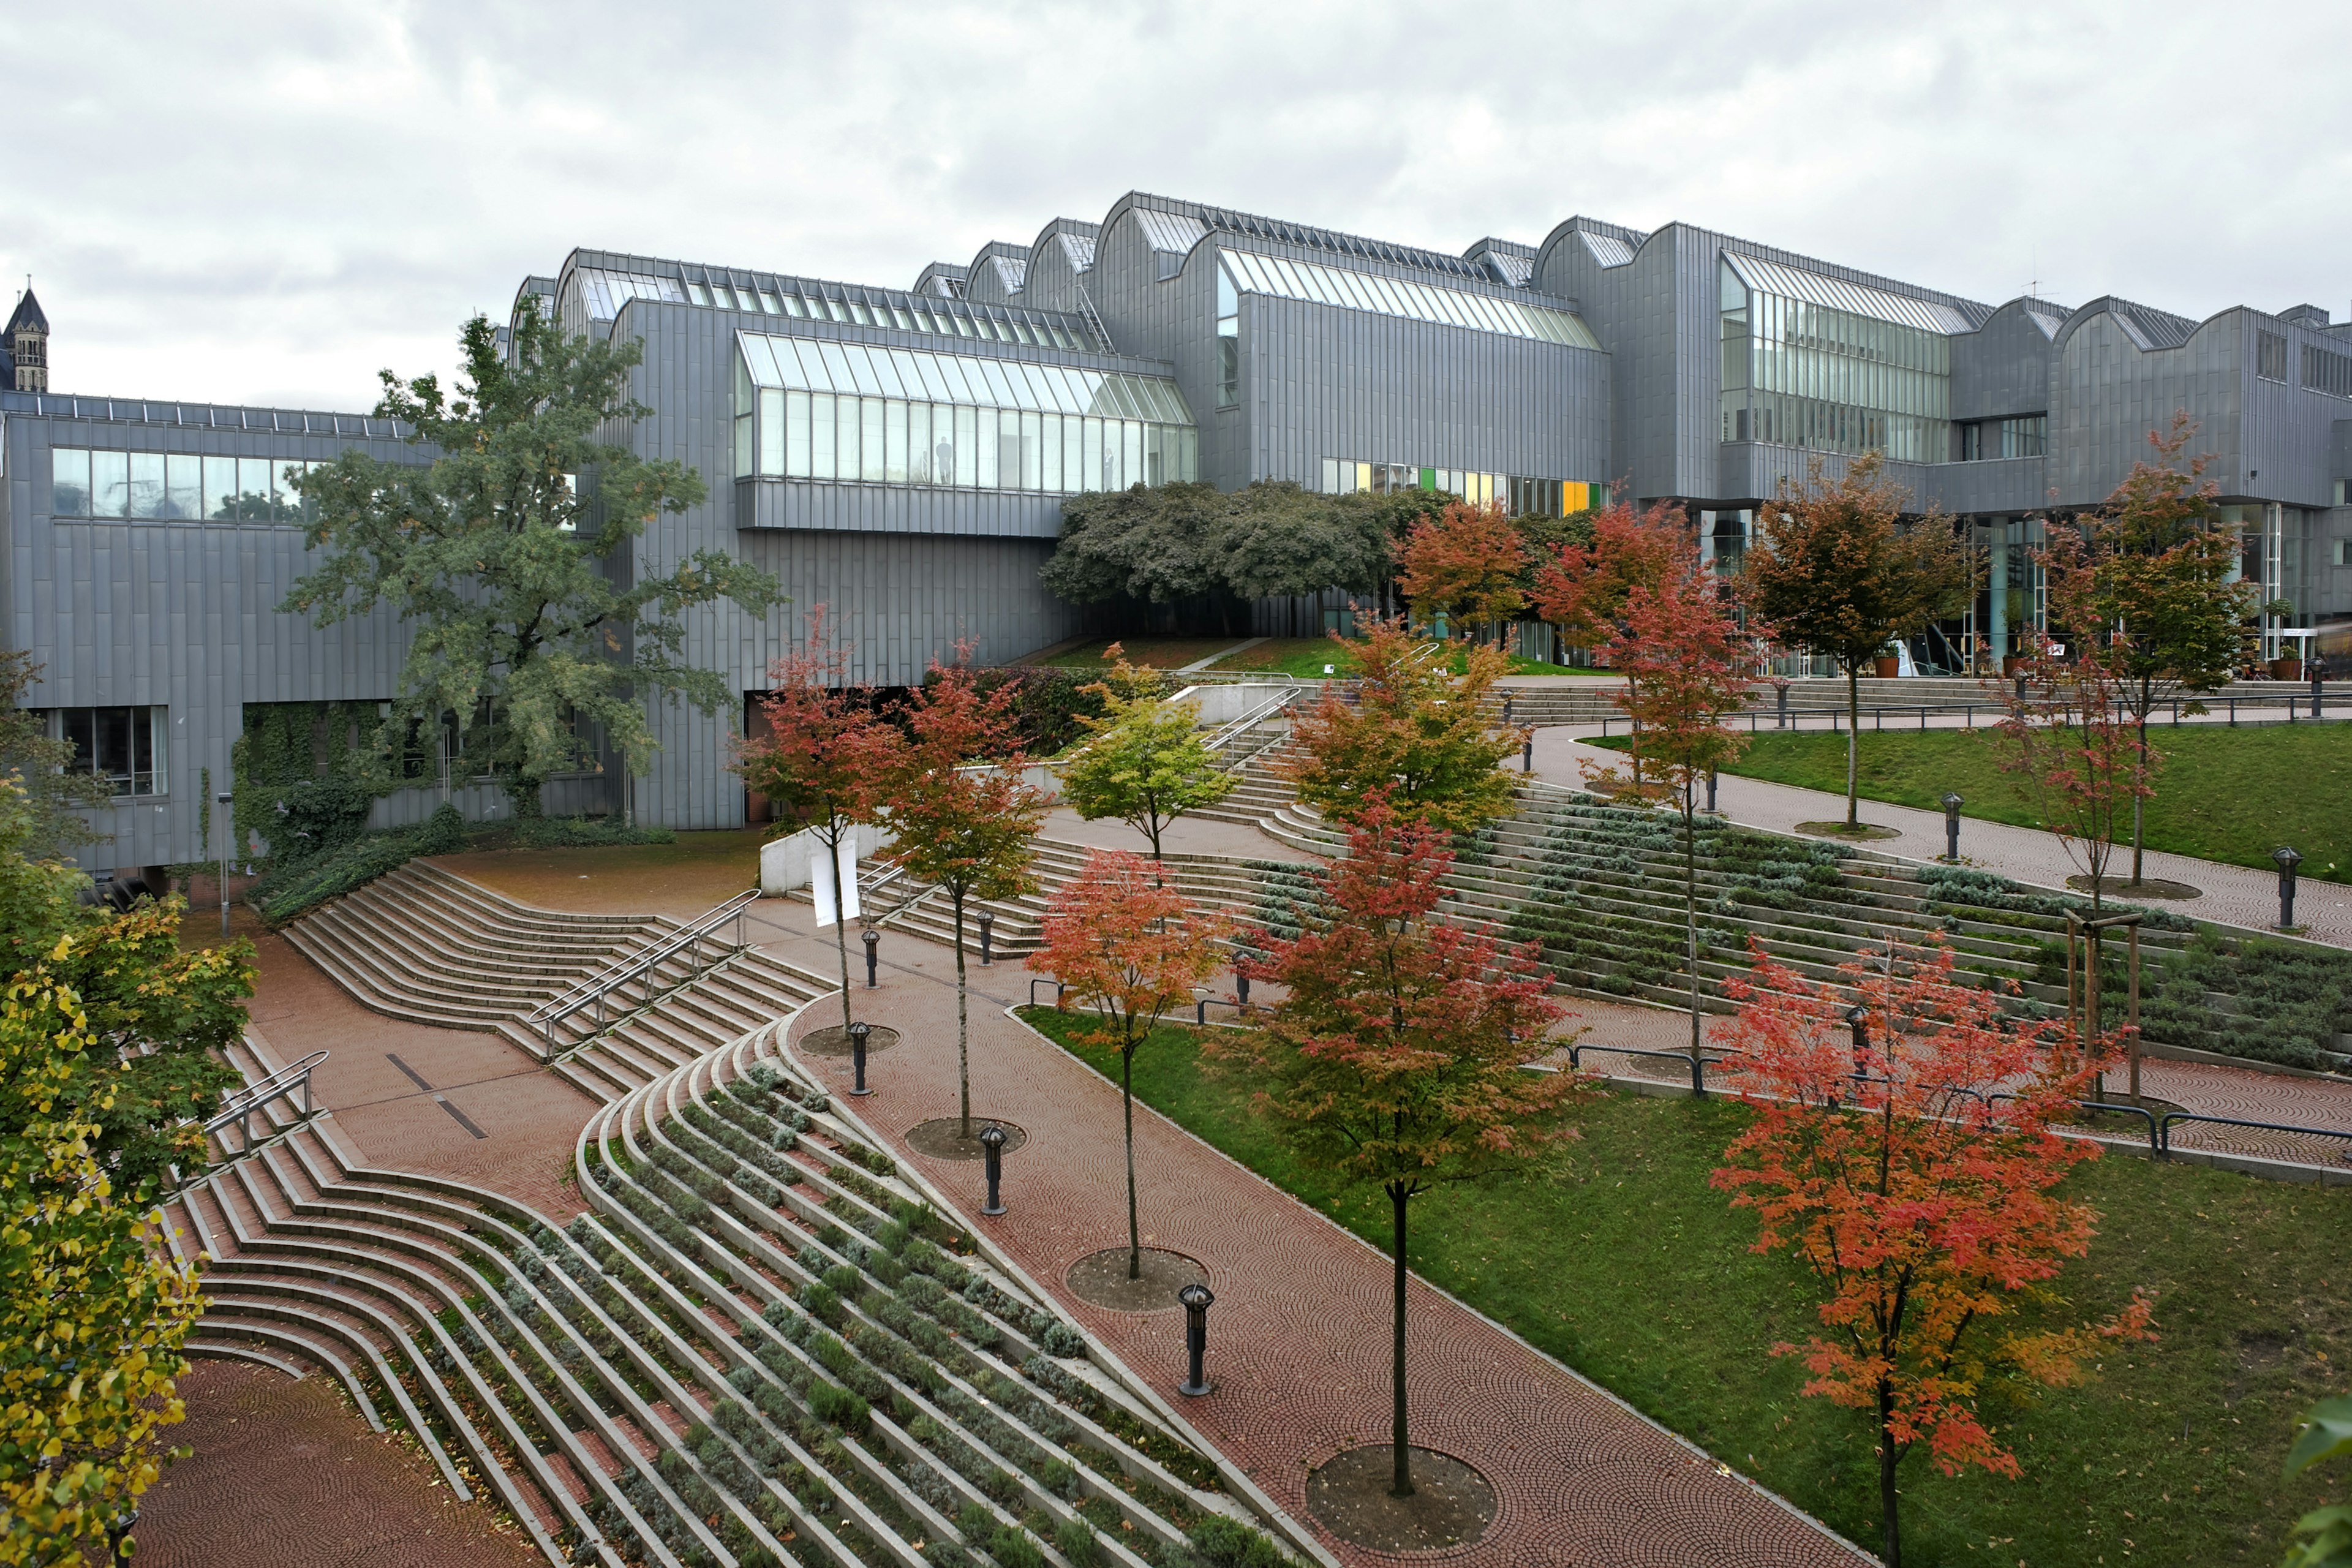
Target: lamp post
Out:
[1857,1019]
[873,941]
[858,1033]
[117,1528]
[227,835]
[1197,1299]
[1952,804]
[1710,789]
[991,1147]
[2287,861]
[1527,755]
[987,935]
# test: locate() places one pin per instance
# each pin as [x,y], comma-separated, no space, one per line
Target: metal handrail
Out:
[597,987]
[2162,1141]
[1697,1065]
[240,1106]
[1833,718]
[1233,729]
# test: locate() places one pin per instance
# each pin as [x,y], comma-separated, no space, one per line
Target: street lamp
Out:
[992,1146]
[226,845]
[1857,1019]
[1952,804]
[873,941]
[858,1033]
[1196,1297]
[2287,861]
[987,934]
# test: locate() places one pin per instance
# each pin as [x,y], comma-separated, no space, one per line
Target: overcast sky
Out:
[258,202]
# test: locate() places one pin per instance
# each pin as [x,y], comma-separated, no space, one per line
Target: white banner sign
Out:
[821,879]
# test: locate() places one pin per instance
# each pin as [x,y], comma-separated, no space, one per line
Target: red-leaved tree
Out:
[1682,655]
[2069,734]
[1925,1206]
[1582,590]
[1126,952]
[1398,1051]
[1467,562]
[826,761]
[965,819]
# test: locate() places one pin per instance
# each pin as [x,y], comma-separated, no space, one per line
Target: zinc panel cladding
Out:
[178,613]
[2108,393]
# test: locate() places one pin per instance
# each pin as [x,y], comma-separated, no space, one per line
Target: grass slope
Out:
[1637,1274]
[2221,794]
[1305,657]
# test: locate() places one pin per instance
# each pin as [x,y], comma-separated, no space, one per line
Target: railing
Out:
[2219,710]
[2161,1141]
[1234,729]
[1697,1065]
[598,988]
[283,1084]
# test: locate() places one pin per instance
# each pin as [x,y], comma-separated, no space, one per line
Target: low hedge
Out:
[286,892]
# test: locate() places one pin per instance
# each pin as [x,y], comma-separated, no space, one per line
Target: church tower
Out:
[27,344]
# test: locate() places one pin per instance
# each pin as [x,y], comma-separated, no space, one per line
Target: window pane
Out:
[821,439]
[1031,446]
[146,484]
[885,372]
[894,442]
[771,431]
[869,441]
[967,447]
[1049,452]
[253,488]
[288,505]
[1188,454]
[1154,466]
[220,486]
[988,445]
[796,434]
[109,484]
[918,443]
[69,481]
[1091,457]
[1132,451]
[184,486]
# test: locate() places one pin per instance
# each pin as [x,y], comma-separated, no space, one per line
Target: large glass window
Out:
[1284,278]
[121,745]
[1815,361]
[1229,339]
[174,486]
[810,410]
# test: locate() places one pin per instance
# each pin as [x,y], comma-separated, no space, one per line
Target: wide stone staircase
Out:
[764,1344]
[424,944]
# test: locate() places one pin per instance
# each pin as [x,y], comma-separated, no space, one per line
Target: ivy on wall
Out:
[305,777]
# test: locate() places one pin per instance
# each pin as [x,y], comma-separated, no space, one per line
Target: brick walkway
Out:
[286,1473]
[2237,894]
[1299,1335]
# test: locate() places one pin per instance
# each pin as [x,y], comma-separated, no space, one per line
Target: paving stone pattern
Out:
[1300,1336]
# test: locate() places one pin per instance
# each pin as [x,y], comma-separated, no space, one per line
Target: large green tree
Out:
[508,557]
[2154,576]
[1839,569]
[1151,543]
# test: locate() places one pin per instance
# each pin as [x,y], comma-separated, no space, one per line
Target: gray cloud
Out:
[269,202]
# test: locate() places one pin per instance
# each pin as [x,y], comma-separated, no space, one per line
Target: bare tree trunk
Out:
[1891,1534]
[963,1016]
[1852,740]
[1690,914]
[840,917]
[1126,1116]
[1402,1484]
[2138,803]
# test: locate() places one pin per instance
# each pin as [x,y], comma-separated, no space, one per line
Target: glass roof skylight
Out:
[810,364]
[1855,298]
[1283,279]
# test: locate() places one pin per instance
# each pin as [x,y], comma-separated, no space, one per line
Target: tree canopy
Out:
[1146,763]
[508,556]
[54,794]
[1468,561]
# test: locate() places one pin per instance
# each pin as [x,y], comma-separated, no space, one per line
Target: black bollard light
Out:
[992,1145]
[2287,861]
[1197,1299]
[987,935]
[1710,789]
[1527,755]
[1952,804]
[873,941]
[116,1530]
[1241,989]
[1506,711]
[858,1033]
[2318,690]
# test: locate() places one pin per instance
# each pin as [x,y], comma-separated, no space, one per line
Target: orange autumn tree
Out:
[1467,561]
[1682,655]
[826,758]
[966,820]
[1124,948]
[1583,589]
[1398,1052]
[1924,1207]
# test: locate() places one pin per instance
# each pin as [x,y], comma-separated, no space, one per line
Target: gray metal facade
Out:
[1350,351]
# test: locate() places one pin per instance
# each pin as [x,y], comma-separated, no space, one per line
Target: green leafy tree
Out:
[2327,1435]
[965,819]
[508,557]
[1146,763]
[55,795]
[1151,543]
[2151,576]
[1278,539]
[1837,571]
[1414,735]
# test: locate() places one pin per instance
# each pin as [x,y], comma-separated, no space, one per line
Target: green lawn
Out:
[1633,1272]
[2221,794]
[1148,653]
[1305,657]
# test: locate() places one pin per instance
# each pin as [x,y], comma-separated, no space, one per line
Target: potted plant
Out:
[1888,666]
